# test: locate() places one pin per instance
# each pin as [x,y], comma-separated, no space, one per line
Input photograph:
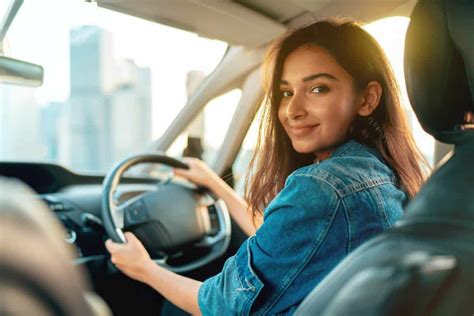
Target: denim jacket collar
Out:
[353,147]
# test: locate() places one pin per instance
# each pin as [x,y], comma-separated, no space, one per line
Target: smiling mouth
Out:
[304,130]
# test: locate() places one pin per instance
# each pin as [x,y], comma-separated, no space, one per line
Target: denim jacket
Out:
[323,212]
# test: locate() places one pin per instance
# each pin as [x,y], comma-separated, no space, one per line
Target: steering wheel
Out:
[174,216]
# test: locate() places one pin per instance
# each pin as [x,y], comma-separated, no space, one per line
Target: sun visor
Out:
[223,20]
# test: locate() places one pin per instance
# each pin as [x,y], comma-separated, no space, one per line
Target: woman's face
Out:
[318,101]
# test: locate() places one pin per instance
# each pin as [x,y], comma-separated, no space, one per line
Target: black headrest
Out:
[439,65]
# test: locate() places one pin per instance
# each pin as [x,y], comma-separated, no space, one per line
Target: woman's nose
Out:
[296,108]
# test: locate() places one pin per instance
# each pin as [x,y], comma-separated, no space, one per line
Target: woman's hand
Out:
[198,173]
[131,258]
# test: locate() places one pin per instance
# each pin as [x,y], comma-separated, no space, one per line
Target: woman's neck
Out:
[323,155]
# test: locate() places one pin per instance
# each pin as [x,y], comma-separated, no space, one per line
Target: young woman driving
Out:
[334,165]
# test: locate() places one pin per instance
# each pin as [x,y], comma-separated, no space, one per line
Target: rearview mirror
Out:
[20,72]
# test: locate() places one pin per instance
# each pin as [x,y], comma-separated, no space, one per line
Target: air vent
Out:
[55,204]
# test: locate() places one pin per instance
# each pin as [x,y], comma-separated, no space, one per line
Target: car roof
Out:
[253,22]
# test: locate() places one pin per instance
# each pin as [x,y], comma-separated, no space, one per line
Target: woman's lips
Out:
[302,130]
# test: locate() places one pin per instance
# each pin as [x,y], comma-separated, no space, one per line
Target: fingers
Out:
[188,174]
[130,237]
[193,163]
[111,246]
[116,251]
[132,249]
[180,172]
[114,247]
[196,166]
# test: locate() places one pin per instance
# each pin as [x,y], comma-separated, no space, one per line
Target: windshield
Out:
[112,83]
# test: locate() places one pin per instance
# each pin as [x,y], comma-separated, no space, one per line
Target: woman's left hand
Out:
[131,258]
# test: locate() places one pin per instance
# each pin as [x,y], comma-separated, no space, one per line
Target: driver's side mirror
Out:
[14,71]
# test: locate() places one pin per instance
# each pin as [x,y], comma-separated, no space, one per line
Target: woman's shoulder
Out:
[350,164]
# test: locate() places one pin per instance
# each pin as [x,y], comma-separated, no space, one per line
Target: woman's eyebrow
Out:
[316,76]
[313,77]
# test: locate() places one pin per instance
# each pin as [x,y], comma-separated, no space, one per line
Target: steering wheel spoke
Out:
[134,212]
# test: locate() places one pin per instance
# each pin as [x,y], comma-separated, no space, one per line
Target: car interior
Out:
[423,265]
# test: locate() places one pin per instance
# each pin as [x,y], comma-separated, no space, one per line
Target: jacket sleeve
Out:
[295,224]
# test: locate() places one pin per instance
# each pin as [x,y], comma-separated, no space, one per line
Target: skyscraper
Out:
[109,111]
[131,111]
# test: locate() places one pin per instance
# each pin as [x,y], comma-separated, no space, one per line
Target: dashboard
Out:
[76,202]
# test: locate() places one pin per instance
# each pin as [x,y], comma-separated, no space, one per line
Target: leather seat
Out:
[425,264]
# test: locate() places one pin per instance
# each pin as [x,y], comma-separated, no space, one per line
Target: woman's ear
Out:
[371,98]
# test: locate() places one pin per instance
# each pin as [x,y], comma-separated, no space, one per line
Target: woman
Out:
[334,165]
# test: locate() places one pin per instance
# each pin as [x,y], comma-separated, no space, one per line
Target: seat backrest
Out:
[36,272]
[425,264]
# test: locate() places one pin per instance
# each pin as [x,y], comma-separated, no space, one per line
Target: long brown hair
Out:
[385,130]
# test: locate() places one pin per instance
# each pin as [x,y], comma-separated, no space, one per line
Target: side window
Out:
[390,33]
[205,135]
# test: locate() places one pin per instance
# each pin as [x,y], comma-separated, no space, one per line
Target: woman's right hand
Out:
[198,173]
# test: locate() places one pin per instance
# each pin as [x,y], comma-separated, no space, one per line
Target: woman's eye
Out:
[320,89]
[286,94]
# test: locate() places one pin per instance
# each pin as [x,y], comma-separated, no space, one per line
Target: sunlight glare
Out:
[390,34]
